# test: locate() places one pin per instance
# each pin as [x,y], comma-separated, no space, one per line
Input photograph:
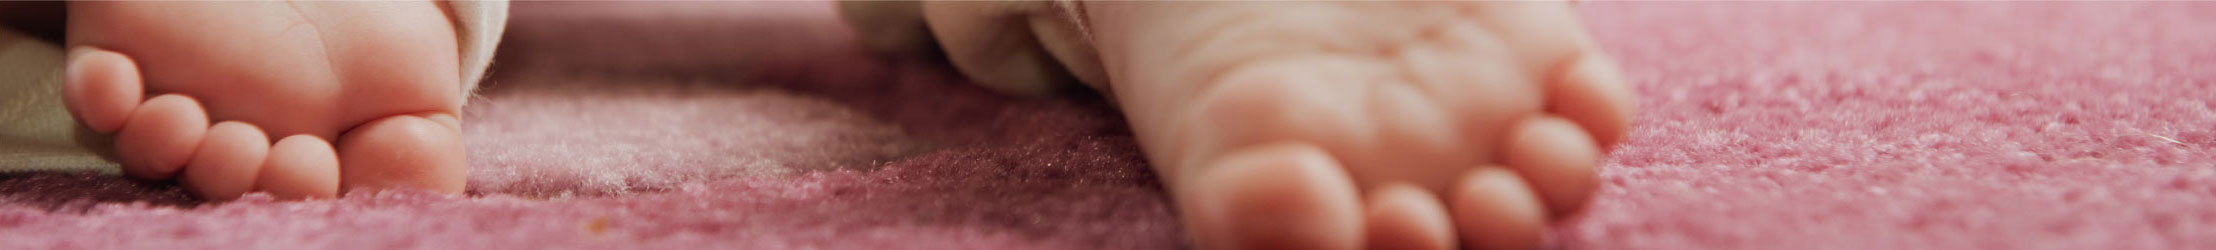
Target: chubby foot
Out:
[248,96]
[1317,125]
[1382,125]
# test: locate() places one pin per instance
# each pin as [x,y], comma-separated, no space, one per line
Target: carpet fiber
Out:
[659,125]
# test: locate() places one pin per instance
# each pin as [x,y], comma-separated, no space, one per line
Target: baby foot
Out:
[380,77]
[1318,125]
[1341,125]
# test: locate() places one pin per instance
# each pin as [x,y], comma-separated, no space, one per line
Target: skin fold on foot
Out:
[1318,125]
[297,99]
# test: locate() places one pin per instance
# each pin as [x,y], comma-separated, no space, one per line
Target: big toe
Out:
[1285,196]
[404,151]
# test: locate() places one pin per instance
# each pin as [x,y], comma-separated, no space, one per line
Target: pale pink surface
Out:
[1763,126]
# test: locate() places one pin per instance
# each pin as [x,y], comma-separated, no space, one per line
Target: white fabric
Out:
[36,132]
[478,24]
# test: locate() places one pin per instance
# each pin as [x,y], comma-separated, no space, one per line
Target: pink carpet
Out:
[1764,126]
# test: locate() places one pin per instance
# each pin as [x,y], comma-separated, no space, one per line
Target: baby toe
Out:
[1493,209]
[300,167]
[161,136]
[1406,217]
[101,88]
[228,161]
[1590,90]
[1557,158]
